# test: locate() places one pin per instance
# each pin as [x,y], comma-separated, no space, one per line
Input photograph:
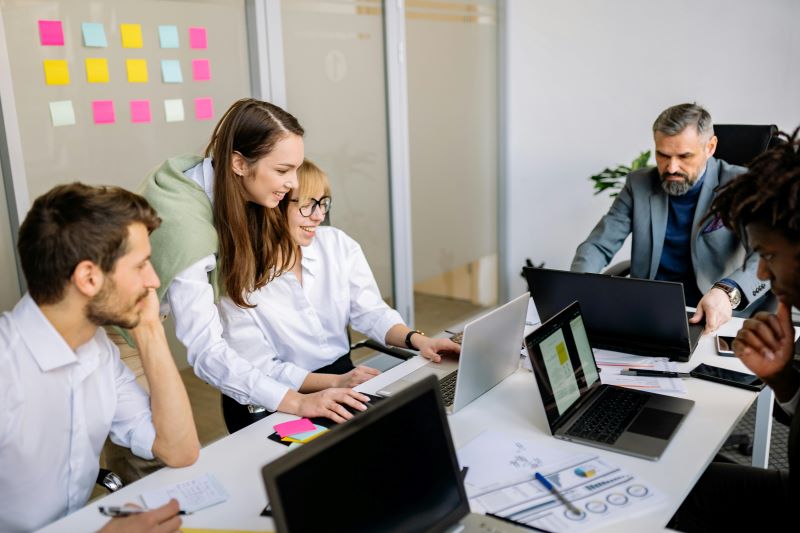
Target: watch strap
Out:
[408,338]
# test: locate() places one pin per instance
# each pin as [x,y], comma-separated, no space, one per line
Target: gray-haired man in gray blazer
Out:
[665,208]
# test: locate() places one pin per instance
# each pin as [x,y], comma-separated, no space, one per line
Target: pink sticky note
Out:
[197,37]
[103,111]
[201,69]
[51,33]
[293,427]
[203,109]
[140,111]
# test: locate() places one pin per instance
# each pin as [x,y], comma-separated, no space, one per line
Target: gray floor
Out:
[779,443]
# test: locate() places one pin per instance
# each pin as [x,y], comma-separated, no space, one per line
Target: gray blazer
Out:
[642,209]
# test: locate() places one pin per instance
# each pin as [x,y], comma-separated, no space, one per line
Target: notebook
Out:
[580,409]
[631,315]
[320,486]
[489,354]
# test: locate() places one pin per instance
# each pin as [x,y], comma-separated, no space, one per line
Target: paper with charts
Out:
[500,481]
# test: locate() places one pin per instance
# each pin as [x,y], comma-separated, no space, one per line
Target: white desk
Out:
[513,406]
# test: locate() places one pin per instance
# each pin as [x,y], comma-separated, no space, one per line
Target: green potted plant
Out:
[613,179]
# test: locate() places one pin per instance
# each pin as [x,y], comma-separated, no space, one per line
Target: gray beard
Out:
[676,188]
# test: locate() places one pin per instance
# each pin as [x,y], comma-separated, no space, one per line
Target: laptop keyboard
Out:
[609,415]
[448,386]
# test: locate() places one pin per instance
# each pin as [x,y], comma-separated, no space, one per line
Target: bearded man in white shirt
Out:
[85,255]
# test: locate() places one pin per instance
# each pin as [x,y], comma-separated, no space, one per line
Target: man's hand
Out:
[765,344]
[356,377]
[328,403]
[715,307]
[149,315]
[163,519]
[433,349]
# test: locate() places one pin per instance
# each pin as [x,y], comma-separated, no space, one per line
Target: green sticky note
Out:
[62,113]
[173,110]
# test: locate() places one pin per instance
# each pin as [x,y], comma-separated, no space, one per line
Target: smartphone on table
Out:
[725,345]
[727,377]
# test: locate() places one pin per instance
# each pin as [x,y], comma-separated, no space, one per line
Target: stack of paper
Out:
[192,495]
[299,431]
[612,363]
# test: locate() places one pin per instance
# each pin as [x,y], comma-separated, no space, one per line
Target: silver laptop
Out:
[489,353]
[580,409]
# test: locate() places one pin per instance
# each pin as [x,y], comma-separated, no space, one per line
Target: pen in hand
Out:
[126,510]
[555,492]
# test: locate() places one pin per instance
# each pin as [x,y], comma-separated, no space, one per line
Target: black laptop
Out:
[640,316]
[580,409]
[391,469]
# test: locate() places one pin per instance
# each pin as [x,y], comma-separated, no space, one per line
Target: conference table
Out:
[513,406]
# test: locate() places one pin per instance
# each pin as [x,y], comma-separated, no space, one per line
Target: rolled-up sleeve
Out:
[199,328]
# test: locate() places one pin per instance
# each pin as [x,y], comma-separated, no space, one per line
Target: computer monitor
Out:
[392,468]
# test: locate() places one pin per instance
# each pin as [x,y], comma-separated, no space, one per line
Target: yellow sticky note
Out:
[137,70]
[96,70]
[56,72]
[131,35]
[561,351]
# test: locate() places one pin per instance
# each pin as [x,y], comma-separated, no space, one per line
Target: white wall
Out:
[586,79]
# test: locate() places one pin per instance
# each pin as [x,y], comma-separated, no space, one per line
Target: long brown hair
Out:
[254,241]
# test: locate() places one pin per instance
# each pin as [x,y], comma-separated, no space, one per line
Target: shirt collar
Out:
[45,343]
[310,258]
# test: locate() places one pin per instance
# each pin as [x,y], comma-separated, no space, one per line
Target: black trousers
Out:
[732,497]
[237,416]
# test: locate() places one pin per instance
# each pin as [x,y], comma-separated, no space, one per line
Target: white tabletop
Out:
[513,406]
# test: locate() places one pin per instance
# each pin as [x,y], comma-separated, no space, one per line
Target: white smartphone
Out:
[724,345]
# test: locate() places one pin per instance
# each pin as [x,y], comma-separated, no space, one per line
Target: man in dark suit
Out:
[663,207]
[763,206]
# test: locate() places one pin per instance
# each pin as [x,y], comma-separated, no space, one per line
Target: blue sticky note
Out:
[94,35]
[171,71]
[168,36]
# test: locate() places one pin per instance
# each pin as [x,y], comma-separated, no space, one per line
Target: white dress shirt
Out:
[190,299]
[57,406]
[296,329]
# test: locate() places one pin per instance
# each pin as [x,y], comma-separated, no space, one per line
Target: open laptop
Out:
[631,315]
[580,409]
[489,354]
[320,486]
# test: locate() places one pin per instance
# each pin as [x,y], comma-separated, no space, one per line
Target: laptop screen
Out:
[563,362]
[392,468]
[619,312]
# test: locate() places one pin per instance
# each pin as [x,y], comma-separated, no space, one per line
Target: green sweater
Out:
[187,232]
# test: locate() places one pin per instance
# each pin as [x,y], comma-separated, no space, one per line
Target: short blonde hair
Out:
[310,179]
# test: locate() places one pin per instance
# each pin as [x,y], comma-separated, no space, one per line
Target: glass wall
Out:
[335,85]
[453,114]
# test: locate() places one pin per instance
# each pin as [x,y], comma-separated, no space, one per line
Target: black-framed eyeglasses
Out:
[308,208]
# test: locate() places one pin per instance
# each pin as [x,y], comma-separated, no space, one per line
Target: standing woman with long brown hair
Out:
[221,234]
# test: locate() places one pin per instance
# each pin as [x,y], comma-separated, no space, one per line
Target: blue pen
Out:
[549,486]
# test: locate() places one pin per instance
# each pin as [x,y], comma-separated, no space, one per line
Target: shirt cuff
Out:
[294,375]
[143,438]
[389,320]
[791,406]
[268,393]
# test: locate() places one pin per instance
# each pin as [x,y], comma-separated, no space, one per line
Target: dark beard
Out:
[101,310]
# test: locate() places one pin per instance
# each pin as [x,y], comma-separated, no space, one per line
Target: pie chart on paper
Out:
[585,472]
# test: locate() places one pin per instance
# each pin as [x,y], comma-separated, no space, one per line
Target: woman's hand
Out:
[433,349]
[356,377]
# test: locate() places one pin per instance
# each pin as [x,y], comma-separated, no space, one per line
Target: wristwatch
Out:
[408,338]
[733,293]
